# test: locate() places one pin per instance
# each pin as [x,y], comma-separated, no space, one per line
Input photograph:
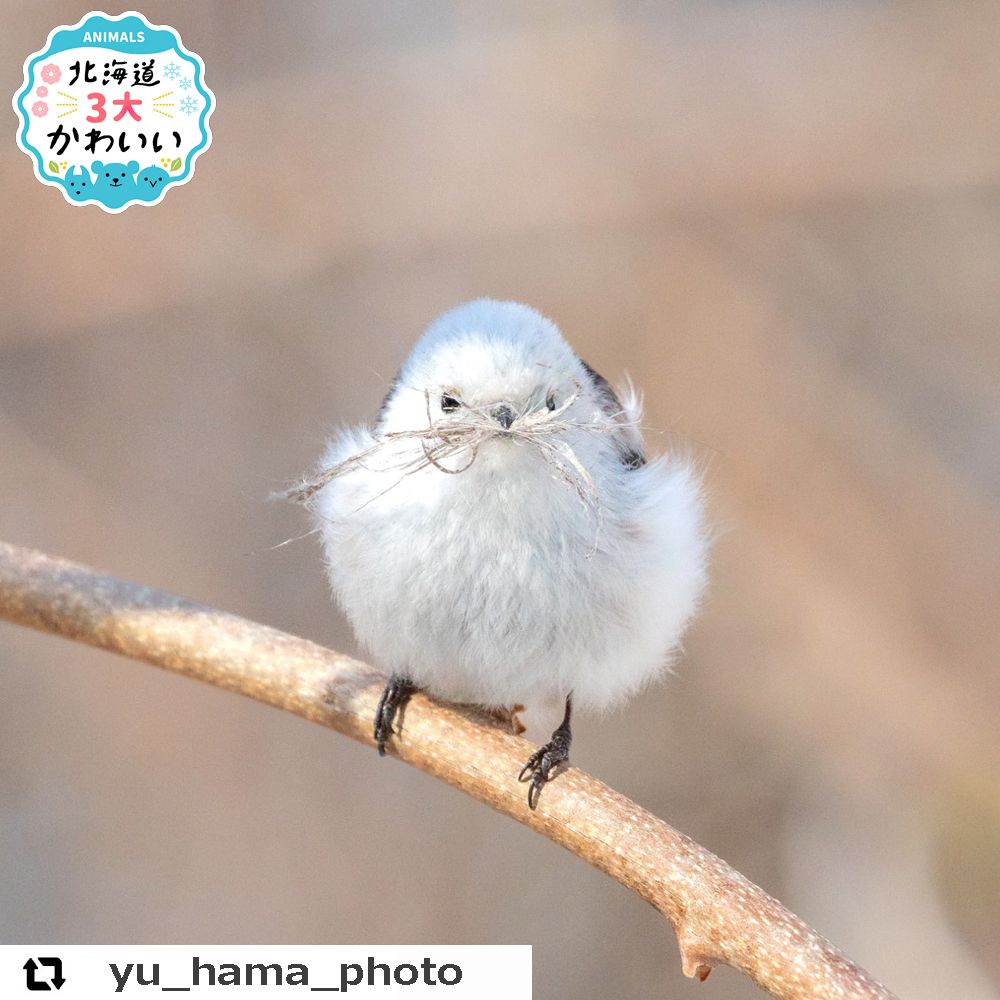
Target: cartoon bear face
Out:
[114,183]
[151,182]
[78,184]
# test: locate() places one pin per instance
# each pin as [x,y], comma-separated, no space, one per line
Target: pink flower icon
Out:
[39,109]
[51,73]
[41,91]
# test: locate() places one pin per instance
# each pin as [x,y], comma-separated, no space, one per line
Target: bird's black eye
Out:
[449,403]
[550,402]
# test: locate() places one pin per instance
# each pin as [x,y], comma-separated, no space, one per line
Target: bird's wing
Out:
[390,392]
[628,440]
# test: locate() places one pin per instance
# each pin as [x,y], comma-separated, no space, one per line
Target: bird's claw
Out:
[383,730]
[544,764]
[396,692]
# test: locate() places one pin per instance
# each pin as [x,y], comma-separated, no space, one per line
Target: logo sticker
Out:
[114,111]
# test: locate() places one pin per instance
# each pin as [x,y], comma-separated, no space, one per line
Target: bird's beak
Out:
[503,415]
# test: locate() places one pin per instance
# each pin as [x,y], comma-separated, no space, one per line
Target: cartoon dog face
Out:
[114,183]
[79,184]
[150,183]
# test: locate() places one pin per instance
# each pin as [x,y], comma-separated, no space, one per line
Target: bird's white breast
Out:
[499,585]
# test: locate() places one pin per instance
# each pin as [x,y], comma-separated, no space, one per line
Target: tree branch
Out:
[720,917]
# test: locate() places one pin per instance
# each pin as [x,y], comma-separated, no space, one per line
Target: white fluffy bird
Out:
[498,537]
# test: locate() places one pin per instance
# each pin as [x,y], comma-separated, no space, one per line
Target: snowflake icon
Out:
[188,105]
[171,71]
[184,83]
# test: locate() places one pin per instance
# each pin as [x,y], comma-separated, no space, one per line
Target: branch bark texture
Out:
[720,917]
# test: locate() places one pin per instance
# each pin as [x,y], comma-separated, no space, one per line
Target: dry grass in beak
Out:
[461,437]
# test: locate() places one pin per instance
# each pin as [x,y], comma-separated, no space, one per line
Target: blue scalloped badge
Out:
[114,111]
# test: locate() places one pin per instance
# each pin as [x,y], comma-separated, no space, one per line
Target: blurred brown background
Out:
[783,218]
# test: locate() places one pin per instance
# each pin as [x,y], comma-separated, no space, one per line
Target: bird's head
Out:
[485,378]
[500,365]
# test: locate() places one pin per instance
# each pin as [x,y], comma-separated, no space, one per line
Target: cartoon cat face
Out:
[78,183]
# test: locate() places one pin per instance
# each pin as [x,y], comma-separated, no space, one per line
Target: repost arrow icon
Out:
[31,967]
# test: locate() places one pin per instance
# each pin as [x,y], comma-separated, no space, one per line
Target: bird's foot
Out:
[545,763]
[395,694]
